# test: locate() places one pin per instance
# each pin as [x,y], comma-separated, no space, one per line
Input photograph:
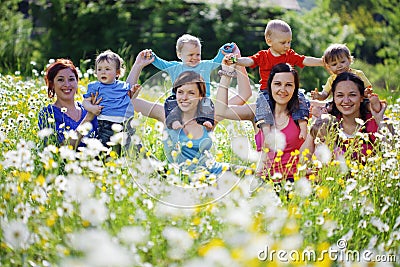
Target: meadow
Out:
[61,207]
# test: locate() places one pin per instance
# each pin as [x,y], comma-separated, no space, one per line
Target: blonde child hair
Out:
[276,25]
[187,38]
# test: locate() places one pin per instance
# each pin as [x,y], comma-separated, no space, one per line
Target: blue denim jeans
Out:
[264,112]
[105,132]
[205,111]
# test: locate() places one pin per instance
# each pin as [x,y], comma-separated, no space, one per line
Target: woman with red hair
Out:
[65,114]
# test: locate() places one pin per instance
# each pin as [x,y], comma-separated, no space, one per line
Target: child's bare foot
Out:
[374,102]
[303,133]
[208,125]
[303,129]
[176,125]
[266,130]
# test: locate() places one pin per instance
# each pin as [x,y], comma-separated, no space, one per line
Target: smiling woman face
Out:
[282,87]
[188,97]
[347,98]
[65,84]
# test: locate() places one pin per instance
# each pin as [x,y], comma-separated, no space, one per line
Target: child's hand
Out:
[176,125]
[227,48]
[93,106]
[229,60]
[315,94]
[94,100]
[135,89]
[208,125]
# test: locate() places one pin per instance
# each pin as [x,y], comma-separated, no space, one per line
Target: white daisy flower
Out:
[179,241]
[45,132]
[16,234]
[359,121]
[276,140]
[116,127]
[133,235]
[94,211]
[323,153]
[302,187]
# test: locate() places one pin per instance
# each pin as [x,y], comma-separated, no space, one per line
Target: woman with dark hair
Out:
[348,106]
[65,114]
[279,162]
[352,113]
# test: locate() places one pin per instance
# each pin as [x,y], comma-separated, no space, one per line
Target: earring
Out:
[51,92]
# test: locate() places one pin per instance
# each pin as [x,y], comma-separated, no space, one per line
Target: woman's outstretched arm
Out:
[232,112]
[147,108]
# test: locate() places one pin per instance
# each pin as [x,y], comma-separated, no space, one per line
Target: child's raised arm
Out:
[313,62]
[244,61]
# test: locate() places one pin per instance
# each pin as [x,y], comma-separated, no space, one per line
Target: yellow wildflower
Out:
[40,180]
[322,192]
[216,242]
[189,144]
[113,154]
[196,220]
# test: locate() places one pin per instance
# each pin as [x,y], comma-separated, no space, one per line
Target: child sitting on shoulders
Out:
[188,50]
[337,59]
[278,36]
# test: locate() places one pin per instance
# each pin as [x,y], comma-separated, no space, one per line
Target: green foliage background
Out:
[35,31]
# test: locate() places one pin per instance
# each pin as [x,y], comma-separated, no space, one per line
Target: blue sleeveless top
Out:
[179,148]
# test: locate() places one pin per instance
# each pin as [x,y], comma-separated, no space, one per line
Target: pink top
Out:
[291,132]
[265,61]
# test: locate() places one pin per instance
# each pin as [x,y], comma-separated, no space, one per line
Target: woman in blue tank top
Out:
[189,146]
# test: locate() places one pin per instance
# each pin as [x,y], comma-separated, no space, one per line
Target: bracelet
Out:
[231,74]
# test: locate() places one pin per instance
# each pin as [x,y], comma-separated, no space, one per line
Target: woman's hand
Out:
[229,63]
[135,89]
[378,116]
[95,109]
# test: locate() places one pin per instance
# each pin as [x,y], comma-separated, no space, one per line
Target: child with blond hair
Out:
[188,50]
